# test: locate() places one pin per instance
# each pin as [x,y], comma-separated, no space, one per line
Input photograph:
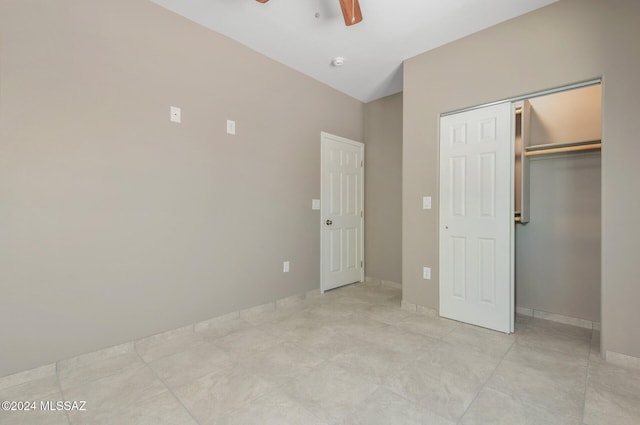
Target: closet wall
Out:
[383,188]
[558,251]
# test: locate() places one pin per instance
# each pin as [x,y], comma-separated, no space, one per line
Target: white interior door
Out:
[342,211]
[476,217]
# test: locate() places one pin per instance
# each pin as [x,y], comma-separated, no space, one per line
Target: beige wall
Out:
[566,42]
[116,223]
[558,251]
[383,188]
[570,116]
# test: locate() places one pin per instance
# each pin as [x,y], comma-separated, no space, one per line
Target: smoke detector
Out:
[337,61]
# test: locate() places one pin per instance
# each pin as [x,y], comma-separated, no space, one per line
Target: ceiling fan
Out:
[350,11]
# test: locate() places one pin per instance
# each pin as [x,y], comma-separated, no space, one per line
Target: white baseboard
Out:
[582,323]
[623,360]
[27,376]
[375,280]
[420,309]
[404,305]
[52,368]
[559,318]
[524,311]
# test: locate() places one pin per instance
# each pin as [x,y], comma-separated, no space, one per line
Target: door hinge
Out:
[361,264]
[362,163]
[362,214]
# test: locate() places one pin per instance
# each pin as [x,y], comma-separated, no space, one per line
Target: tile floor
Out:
[351,356]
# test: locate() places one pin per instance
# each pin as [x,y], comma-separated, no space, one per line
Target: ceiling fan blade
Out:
[350,11]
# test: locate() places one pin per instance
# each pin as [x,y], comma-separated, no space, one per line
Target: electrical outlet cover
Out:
[426,202]
[426,273]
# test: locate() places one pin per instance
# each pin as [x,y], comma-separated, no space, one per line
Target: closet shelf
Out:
[563,147]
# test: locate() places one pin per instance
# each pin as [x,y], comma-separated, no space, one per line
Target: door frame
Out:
[512,100]
[323,136]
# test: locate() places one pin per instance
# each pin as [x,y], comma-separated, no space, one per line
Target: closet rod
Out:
[563,147]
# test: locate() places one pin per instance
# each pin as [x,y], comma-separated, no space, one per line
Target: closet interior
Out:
[557,204]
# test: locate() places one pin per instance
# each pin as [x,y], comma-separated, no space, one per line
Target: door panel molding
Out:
[341,211]
[476,217]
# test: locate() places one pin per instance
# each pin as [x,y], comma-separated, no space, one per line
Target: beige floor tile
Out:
[37,417]
[475,338]
[377,294]
[36,391]
[350,356]
[558,389]
[395,338]
[372,362]
[274,408]
[339,307]
[94,357]
[386,313]
[281,363]
[27,376]
[330,392]
[495,408]
[548,335]
[459,360]
[74,376]
[434,327]
[604,407]
[212,396]
[613,394]
[538,357]
[32,390]
[112,395]
[445,379]
[353,289]
[356,326]
[384,407]
[545,339]
[272,315]
[246,342]
[358,303]
[560,328]
[186,366]
[160,409]
[615,378]
[278,330]
[325,341]
[167,343]
[439,390]
[303,322]
[213,329]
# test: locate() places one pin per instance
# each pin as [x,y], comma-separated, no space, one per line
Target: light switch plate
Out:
[426,202]
[231,127]
[285,267]
[174,114]
[315,204]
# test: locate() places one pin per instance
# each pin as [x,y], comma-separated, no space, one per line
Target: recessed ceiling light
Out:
[337,61]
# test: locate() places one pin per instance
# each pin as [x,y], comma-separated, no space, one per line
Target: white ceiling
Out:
[374,50]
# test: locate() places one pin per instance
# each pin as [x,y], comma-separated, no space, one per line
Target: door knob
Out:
[328,222]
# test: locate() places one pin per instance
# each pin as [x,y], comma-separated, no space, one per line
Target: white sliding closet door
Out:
[476,217]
